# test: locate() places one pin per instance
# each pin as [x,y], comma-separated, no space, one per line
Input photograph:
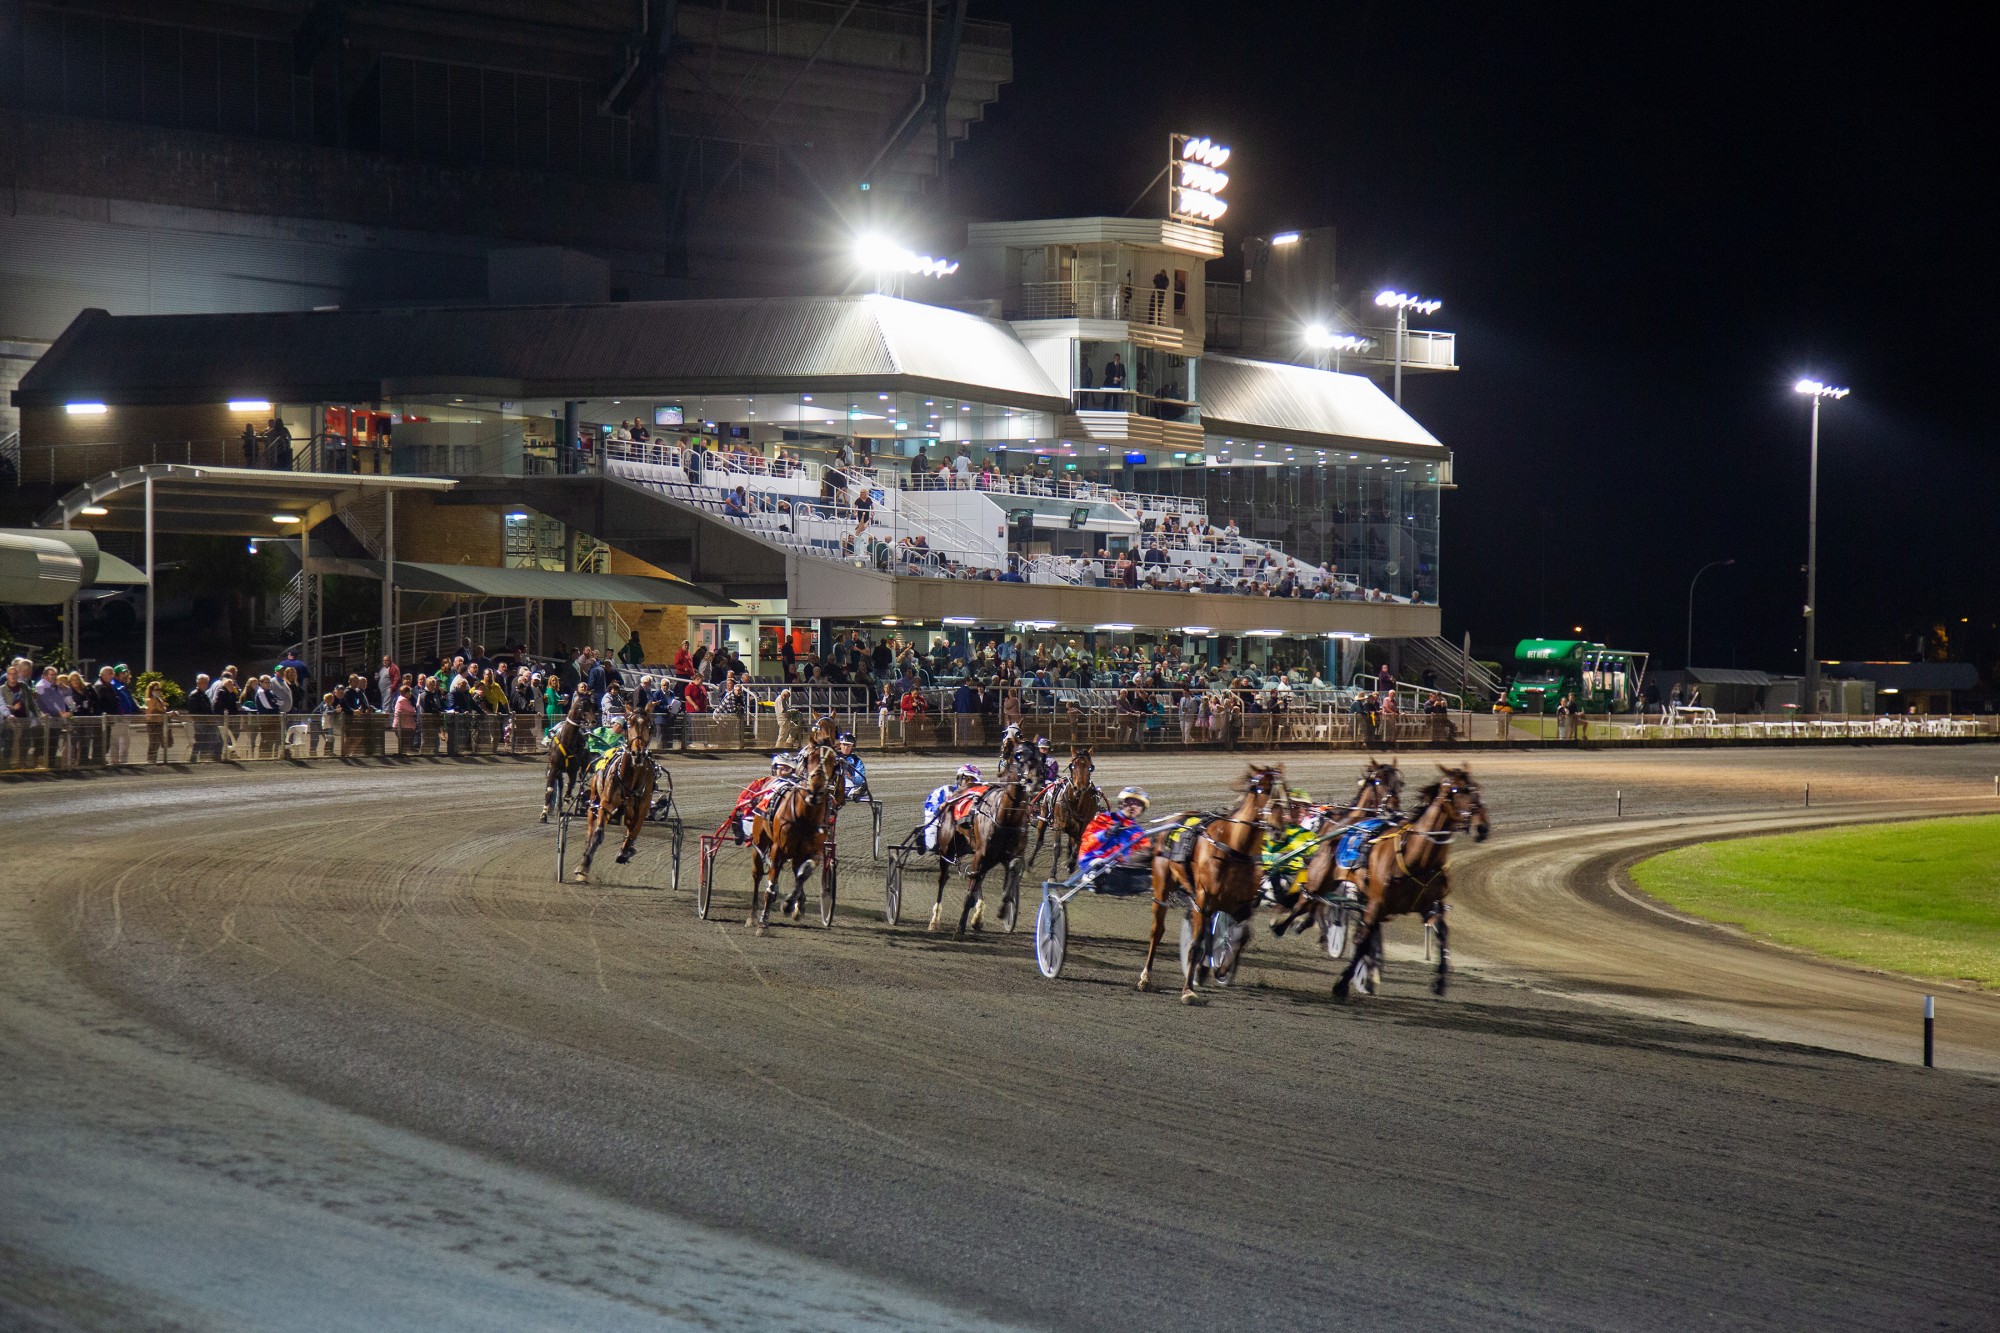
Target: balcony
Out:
[1157,318]
[1229,330]
[1126,416]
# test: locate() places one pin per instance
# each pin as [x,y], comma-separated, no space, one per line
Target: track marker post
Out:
[1621,805]
[1809,796]
[1930,1025]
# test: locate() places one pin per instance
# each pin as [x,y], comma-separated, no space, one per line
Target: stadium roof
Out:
[770,345]
[1268,400]
[221,501]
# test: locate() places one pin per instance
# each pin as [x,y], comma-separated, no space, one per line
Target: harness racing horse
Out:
[1220,878]
[991,834]
[1378,795]
[621,789]
[791,829]
[1404,870]
[1067,807]
[567,756]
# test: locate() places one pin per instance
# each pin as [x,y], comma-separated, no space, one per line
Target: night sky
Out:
[1645,228]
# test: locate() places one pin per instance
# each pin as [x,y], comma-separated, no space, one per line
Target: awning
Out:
[1286,404]
[48,566]
[221,501]
[546,584]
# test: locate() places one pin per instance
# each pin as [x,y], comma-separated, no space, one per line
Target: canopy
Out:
[547,584]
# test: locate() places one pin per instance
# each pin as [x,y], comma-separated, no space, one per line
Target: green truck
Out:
[1602,680]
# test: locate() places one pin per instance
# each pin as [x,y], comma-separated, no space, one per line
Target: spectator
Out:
[388,680]
[695,696]
[405,720]
[634,652]
[157,739]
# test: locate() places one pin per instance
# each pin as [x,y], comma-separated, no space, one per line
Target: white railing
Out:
[1135,402]
[1096,298]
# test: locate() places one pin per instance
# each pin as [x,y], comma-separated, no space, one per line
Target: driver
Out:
[1045,757]
[1116,837]
[965,780]
[853,772]
[1285,855]
[784,770]
[602,741]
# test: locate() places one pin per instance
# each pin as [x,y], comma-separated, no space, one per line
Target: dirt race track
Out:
[331,1048]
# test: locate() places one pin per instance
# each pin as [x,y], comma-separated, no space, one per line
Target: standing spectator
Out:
[105,703]
[696,696]
[278,445]
[156,723]
[19,706]
[57,706]
[1385,683]
[202,709]
[388,680]
[684,662]
[249,445]
[405,719]
[285,690]
[634,652]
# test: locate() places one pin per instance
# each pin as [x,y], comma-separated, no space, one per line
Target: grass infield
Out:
[1921,898]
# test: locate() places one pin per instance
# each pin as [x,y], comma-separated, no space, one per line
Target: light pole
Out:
[1688,661]
[1403,303]
[1816,391]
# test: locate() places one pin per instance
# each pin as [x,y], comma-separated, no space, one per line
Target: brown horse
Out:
[621,789]
[1378,795]
[991,834]
[791,829]
[1220,879]
[1404,871]
[1067,807]
[568,756]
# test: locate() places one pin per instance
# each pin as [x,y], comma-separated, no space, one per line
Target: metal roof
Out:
[550,584]
[564,351]
[226,501]
[1268,400]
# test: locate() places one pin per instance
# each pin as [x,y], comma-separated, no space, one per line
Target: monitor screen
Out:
[669,416]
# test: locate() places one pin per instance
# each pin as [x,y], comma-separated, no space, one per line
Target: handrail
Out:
[1099,298]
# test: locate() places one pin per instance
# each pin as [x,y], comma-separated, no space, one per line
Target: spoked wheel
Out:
[875,833]
[705,883]
[1225,952]
[1051,935]
[829,882]
[892,886]
[1010,897]
[562,844]
[676,838]
[1339,917]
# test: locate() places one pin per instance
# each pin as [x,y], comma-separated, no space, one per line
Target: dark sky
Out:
[1645,228]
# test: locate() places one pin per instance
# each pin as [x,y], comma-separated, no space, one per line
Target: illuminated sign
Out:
[1195,178]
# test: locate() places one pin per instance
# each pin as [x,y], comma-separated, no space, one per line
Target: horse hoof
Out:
[1190,997]
[545,816]
[623,858]
[1145,984]
[1340,989]
[579,878]
[760,930]
[1437,987]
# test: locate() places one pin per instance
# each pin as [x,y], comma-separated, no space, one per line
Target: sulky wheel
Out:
[704,886]
[1225,952]
[1338,919]
[562,844]
[1010,897]
[829,884]
[1051,936]
[892,886]
[676,838]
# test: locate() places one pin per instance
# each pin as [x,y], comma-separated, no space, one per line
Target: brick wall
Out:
[661,628]
[434,534]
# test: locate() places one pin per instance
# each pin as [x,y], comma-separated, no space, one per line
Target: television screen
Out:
[669,416]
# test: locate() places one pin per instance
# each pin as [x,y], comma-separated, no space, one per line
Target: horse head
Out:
[1467,805]
[638,731]
[1380,788]
[1082,766]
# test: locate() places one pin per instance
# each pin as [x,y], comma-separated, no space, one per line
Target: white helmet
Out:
[969,772]
[1135,794]
[783,763]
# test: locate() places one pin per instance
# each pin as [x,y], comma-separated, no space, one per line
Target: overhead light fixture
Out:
[1114,628]
[879,254]
[284,518]
[518,516]
[889,620]
[1196,630]
[961,620]
[1265,633]
[85,409]
[1395,300]
[1812,388]
[248,405]
[93,511]
[1285,238]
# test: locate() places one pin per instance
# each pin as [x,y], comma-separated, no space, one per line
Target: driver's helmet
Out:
[1300,795]
[1134,794]
[783,764]
[968,772]
[1042,743]
[845,740]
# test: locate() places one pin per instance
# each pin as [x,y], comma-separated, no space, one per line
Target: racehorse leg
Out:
[1365,943]
[1159,924]
[551,792]
[590,846]
[937,908]
[1198,924]
[1438,922]
[969,914]
[795,902]
[635,819]
[759,862]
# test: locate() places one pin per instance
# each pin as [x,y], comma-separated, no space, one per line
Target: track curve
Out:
[937,1118]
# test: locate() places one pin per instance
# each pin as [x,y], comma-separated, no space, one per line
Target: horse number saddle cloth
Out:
[1352,844]
[1181,840]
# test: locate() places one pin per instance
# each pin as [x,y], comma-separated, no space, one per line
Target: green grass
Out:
[1921,898]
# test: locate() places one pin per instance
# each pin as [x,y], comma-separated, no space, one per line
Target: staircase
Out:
[1443,657]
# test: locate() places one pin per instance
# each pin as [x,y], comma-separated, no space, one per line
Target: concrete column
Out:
[756,646]
[149,574]
[388,574]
